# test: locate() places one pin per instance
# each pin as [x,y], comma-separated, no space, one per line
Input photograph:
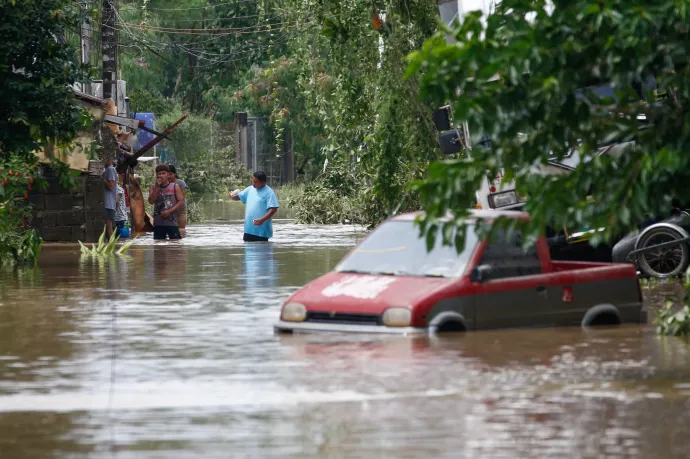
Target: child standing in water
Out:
[120,210]
[166,198]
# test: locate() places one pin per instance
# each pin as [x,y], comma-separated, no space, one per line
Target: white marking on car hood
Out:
[361,287]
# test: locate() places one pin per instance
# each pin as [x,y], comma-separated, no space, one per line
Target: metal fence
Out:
[261,151]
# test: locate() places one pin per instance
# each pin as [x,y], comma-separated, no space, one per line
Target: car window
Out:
[395,248]
[507,258]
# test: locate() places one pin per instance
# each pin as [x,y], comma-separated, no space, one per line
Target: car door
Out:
[515,294]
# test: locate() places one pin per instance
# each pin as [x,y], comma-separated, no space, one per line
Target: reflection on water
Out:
[260,270]
[181,333]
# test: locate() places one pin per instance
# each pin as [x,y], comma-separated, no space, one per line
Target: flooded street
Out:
[170,353]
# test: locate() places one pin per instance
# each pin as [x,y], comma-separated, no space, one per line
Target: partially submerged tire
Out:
[666,261]
[447,321]
[601,315]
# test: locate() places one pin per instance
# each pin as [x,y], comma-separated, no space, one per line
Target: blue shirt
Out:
[258,202]
[110,196]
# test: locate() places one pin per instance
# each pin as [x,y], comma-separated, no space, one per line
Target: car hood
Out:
[366,293]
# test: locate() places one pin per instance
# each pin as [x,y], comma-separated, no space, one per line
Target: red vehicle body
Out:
[389,283]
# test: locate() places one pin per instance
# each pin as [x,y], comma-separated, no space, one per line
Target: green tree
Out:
[37,106]
[545,53]
[37,66]
[340,92]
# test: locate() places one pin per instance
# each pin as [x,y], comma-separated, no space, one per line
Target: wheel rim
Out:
[666,260]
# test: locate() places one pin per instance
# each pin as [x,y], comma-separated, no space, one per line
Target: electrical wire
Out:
[236,31]
[201,7]
[204,29]
[210,19]
[228,57]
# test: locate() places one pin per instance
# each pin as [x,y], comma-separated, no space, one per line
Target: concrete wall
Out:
[70,215]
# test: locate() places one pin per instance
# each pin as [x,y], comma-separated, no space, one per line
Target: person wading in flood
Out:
[167,198]
[262,204]
[182,213]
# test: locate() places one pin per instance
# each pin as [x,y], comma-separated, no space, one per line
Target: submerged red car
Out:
[390,283]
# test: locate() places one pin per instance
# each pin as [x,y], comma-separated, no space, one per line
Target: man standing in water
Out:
[182,213]
[167,198]
[262,204]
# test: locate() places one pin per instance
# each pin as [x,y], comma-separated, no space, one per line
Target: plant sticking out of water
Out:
[195,213]
[106,248]
[671,320]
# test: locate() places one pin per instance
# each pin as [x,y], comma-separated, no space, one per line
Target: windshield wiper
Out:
[376,273]
[391,273]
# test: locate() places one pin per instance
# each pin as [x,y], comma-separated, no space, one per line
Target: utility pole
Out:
[85,38]
[109,48]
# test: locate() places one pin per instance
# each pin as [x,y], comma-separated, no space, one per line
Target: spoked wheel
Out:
[667,261]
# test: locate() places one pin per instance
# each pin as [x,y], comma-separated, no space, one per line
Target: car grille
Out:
[343,318]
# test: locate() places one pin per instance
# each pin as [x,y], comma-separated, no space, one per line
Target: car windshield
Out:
[395,248]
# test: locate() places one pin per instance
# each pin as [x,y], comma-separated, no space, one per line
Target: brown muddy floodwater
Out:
[170,353]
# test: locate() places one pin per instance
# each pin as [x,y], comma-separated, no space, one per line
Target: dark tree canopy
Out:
[36,68]
[545,55]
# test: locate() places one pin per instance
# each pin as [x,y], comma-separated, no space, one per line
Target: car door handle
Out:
[541,288]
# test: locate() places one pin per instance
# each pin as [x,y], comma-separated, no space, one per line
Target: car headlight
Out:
[397,317]
[294,312]
[502,199]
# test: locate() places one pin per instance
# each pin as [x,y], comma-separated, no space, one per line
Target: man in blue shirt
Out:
[262,204]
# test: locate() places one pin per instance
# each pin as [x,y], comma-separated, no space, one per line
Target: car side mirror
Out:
[481,273]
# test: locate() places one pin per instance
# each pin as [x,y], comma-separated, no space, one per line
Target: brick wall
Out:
[70,215]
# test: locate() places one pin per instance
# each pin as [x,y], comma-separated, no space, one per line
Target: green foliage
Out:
[315,203]
[36,68]
[21,247]
[195,213]
[340,195]
[219,172]
[341,95]
[189,139]
[673,321]
[37,110]
[144,101]
[162,56]
[18,177]
[106,248]
[330,81]
[543,54]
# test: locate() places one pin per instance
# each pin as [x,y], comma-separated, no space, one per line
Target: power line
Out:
[211,19]
[218,34]
[201,7]
[205,29]
[214,62]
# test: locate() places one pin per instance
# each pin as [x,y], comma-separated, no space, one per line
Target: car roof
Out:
[474,214]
